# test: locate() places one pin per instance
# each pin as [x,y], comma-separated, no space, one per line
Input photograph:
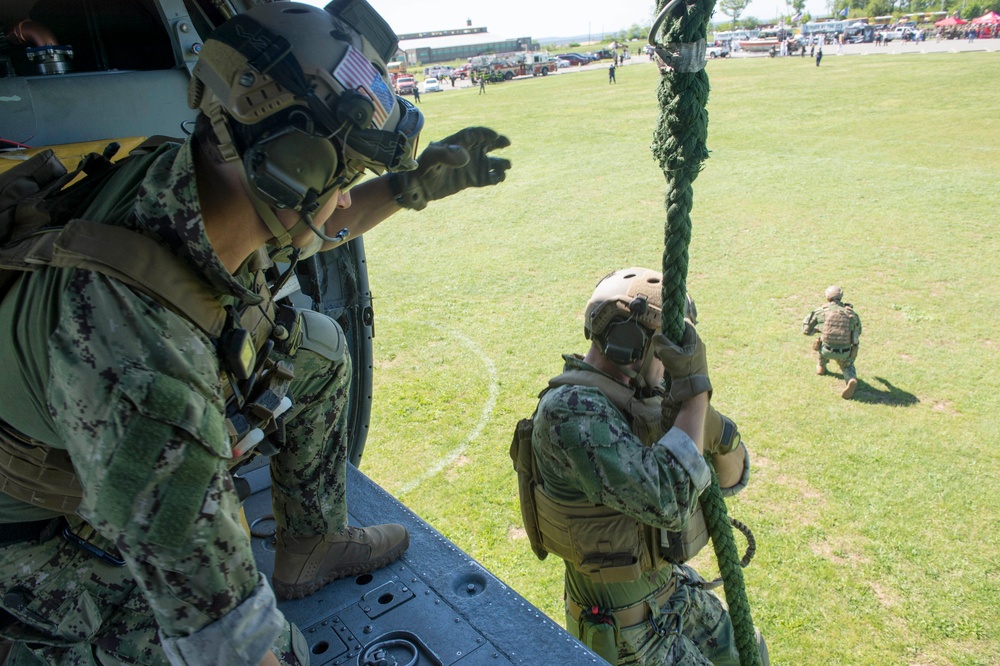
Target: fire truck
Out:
[505,66]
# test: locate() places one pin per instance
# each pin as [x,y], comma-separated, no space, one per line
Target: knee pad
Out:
[322,335]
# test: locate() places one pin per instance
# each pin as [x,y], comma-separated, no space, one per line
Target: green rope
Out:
[679,145]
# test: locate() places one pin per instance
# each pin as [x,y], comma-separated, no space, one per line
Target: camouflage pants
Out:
[309,475]
[61,605]
[694,628]
[845,361]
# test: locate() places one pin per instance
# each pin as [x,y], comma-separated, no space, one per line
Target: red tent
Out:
[991,17]
[951,20]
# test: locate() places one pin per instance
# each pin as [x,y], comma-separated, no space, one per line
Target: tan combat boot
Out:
[820,368]
[848,392]
[302,565]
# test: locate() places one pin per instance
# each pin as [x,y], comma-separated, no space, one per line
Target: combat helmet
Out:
[623,312]
[307,93]
[834,293]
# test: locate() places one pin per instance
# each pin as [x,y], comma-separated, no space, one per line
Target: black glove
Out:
[686,364]
[448,166]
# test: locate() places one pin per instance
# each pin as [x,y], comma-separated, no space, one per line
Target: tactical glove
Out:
[722,435]
[448,166]
[668,412]
[685,363]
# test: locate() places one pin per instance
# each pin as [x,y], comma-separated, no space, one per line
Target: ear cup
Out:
[624,342]
[285,167]
[355,108]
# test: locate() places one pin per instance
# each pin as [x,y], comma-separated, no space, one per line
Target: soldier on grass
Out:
[839,327]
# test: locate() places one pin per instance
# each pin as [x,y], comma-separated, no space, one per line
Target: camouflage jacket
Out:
[133,392]
[585,451]
[813,323]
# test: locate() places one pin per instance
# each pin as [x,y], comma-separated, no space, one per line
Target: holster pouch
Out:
[520,454]
[599,632]
[817,344]
[679,547]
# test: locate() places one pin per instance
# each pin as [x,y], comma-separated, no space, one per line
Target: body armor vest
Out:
[837,326]
[599,542]
[32,237]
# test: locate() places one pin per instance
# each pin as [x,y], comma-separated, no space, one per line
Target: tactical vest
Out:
[837,326]
[599,542]
[32,236]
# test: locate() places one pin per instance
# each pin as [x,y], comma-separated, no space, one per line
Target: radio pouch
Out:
[599,632]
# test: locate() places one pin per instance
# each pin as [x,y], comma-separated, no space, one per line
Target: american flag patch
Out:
[355,72]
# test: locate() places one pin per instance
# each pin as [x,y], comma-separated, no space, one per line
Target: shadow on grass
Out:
[867,393]
[892,395]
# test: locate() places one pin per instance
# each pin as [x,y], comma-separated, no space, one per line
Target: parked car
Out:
[561,63]
[462,71]
[437,72]
[574,58]
[721,51]
[432,85]
[897,33]
[405,85]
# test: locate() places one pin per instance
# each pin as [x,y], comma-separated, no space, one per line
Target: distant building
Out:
[446,45]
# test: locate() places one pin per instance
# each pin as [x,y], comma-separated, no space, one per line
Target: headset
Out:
[295,164]
[624,341]
[295,167]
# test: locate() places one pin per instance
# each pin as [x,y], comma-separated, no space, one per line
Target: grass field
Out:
[877,519]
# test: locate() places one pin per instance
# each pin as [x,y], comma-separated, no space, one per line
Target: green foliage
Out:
[876,519]
[972,10]
[635,31]
[878,8]
[733,8]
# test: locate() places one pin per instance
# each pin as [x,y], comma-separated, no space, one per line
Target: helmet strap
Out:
[227,145]
[282,237]
[640,376]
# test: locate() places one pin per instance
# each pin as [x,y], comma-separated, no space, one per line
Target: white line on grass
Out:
[484,416]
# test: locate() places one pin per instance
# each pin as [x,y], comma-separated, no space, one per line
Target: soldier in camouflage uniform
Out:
[132,551]
[600,455]
[839,327]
